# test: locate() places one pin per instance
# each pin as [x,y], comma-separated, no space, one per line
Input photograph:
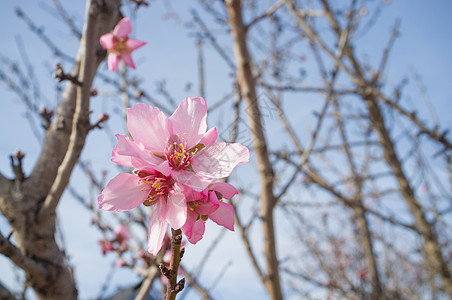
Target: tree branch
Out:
[12,252]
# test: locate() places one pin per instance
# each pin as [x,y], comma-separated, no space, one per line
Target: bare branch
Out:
[12,252]
[267,14]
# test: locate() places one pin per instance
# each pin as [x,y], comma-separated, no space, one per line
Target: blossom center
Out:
[158,185]
[177,153]
[119,45]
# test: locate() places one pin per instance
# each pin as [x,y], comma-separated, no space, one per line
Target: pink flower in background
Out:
[122,233]
[106,246]
[120,263]
[173,157]
[119,45]
[208,205]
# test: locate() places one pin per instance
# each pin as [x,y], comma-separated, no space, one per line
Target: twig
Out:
[8,249]
[173,287]
[267,14]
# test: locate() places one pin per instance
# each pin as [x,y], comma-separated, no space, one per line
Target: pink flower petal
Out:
[123,28]
[131,154]
[163,168]
[210,137]
[107,41]
[190,118]
[133,44]
[157,230]
[224,216]
[113,61]
[149,126]
[219,159]
[192,195]
[192,180]
[193,228]
[227,190]
[187,229]
[197,232]
[127,58]
[210,206]
[122,193]
[176,213]
[122,232]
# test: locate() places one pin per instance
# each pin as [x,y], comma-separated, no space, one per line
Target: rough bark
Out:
[29,204]
[247,86]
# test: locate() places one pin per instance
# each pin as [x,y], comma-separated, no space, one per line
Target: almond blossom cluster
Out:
[176,161]
[119,242]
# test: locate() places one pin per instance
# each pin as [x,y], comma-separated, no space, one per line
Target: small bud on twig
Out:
[179,286]
[102,118]
[46,116]
[16,164]
[18,154]
[139,3]
[139,94]
[93,92]
[60,76]
[182,252]
[165,271]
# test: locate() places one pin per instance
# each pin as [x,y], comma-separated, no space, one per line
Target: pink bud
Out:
[103,118]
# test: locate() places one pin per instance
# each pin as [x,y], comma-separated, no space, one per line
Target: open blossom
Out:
[208,205]
[179,144]
[119,45]
[173,157]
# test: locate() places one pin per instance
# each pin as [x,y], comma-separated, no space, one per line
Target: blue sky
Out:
[425,43]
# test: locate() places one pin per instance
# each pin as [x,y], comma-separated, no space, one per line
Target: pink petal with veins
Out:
[210,137]
[113,61]
[123,28]
[107,41]
[131,154]
[176,213]
[122,193]
[227,190]
[127,58]
[157,229]
[219,159]
[133,44]
[224,216]
[190,118]
[148,125]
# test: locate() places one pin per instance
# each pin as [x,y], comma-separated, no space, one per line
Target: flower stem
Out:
[173,287]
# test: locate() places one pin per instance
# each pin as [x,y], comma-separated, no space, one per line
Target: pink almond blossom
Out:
[180,143]
[208,205]
[119,45]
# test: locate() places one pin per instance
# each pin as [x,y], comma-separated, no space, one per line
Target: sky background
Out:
[425,43]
